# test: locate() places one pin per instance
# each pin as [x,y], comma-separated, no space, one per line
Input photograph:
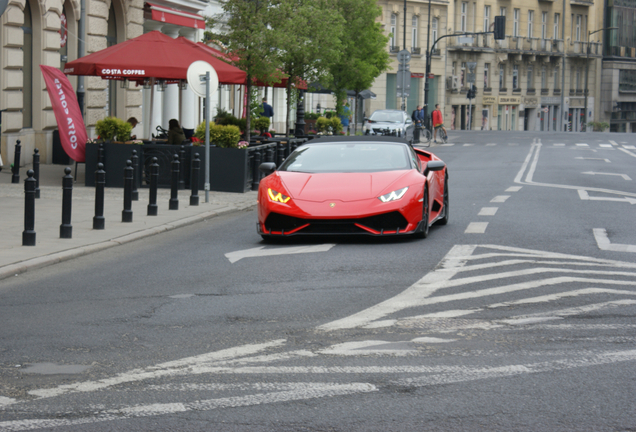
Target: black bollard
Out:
[174,185]
[182,155]
[280,154]
[15,178]
[154,180]
[100,182]
[256,176]
[100,153]
[135,163]
[36,171]
[127,214]
[194,180]
[28,235]
[66,229]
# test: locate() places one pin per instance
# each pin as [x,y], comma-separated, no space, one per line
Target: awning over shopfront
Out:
[152,55]
[173,16]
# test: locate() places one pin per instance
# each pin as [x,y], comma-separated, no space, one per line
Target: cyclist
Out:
[438,123]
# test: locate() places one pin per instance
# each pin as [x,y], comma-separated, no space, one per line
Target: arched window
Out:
[414,41]
[433,31]
[393,29]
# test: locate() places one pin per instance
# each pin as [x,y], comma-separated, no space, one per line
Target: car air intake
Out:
[391,222]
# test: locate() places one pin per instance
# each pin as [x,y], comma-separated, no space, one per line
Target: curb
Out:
[57,257]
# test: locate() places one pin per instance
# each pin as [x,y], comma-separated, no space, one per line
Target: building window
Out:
[515,77]
[530,23]
[502,11]
[464,16]
[544,83]
[502,76]
[557,20]
[434,30]
[393,29]
[515,22]
[557,83]
[462,78]
[487,75]
[627,80]
[578,78]
[530,78]
[414,43]
[486,18]
[578,28]
[544,25]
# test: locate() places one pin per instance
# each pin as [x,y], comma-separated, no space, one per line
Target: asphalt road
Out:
[517,315]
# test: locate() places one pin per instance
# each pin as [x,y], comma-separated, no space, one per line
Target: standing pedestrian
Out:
[438,122]
[345,117]
[268,111]
[418,120]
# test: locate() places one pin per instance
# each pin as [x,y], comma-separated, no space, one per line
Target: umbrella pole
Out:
[152,103]
[207,137]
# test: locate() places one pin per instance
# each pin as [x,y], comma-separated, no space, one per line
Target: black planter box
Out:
[115,157]
[230,169]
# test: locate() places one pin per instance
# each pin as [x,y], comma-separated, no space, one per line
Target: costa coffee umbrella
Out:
[151,55]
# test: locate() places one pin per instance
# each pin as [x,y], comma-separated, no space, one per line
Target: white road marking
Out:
[628,152]
[371,347]
[582,145]
[605,145]
[472,374]
[312,391]
[557,296]
[603,242]
[488,211]
[584,158]
[586,197]
[185,366]
[530,164]
[491,144]
[514,189]
[447,145]
[569,312]
[625,176]
[559,145]
[476,228]
[4,401]
[261,251]
[629,147]
[500,199]
[613,143]
[468,145]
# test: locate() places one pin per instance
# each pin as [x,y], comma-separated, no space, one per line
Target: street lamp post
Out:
[587,65]
[428,66]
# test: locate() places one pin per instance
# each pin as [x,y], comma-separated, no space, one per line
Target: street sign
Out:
[470,77]
[471,66]
[404,56]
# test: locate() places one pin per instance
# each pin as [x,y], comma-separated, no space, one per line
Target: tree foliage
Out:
[308,42]
[364,55]
[244,31]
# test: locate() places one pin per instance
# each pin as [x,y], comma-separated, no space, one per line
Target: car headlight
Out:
[277,196]
[393,196]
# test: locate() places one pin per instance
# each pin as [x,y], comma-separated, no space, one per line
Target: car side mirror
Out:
[267,167]
[409,121]
[434,166]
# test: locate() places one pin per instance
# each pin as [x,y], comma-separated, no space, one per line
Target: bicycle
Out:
[442,135]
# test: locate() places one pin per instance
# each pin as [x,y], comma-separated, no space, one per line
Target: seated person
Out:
[175,133]
[133,121]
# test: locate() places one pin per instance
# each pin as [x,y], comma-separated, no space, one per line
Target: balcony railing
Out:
[416,50]
[545,92]
[394,49]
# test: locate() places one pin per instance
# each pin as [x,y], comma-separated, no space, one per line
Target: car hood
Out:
[342,186]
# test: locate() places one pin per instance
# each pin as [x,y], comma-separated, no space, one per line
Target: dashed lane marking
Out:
[491,144]
[514,189]
[582,145]
[585,196]
[476,228]
[500,199]
[625,176]
[584,158]
[488,211]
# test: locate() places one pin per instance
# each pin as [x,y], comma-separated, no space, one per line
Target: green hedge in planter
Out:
[222,136]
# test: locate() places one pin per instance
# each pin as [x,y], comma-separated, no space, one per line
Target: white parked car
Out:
[389,122]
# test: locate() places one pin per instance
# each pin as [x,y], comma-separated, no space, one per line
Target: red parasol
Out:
[152,55]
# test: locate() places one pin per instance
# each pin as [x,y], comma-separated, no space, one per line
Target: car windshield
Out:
[386,116]
[348,158]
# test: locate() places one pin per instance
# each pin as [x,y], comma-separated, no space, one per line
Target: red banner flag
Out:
[67,113]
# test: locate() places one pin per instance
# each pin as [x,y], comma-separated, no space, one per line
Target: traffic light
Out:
[471,92]
[500,27]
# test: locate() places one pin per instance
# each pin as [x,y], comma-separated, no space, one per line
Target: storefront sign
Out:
[530,102]
[489,100]
[509,100]
[551,100]
[577,102]
[417,75]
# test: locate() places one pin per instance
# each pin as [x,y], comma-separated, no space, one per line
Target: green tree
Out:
[244,30]
[308,40]
[364,50]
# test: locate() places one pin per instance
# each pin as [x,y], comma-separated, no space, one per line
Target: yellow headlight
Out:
[277,196]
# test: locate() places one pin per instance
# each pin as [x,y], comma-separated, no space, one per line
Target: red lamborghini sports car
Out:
[377,186]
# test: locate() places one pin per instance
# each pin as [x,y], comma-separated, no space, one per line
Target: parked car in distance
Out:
[389,122]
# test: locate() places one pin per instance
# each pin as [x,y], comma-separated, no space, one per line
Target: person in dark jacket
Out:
[175,133]
[268,111]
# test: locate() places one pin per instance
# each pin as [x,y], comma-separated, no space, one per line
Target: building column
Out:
[171,93]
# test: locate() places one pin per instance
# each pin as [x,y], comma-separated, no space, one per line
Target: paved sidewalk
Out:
[50,249]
